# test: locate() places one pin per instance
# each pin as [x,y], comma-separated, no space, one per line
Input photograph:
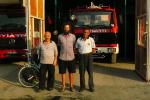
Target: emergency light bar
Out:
[99,6]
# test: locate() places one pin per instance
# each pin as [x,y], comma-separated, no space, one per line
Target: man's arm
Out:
[76,47]
[74,44]
[58,44]
[93,46]
[55,60]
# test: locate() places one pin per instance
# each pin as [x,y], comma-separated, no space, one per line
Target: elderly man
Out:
[48,59]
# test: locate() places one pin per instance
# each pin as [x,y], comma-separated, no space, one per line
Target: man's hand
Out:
[55,62]
[93,50]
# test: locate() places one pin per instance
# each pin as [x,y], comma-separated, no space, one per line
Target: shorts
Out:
[70,65]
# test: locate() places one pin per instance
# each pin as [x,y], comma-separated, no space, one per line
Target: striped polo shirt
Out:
[66,44]
[47,53]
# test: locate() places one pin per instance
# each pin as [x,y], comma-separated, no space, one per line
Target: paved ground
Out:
[112,82]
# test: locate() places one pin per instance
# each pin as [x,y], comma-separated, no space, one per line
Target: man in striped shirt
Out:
[48,59]
[66,42]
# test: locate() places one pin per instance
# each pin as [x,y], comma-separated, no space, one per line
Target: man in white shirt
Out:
[86,46]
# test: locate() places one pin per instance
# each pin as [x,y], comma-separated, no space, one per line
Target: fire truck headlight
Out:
[111,50]
[112,25]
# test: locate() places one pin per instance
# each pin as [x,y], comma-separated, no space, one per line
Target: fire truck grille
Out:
[105,38]
[18,43]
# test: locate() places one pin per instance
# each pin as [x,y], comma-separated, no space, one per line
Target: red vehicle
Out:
[13,41]
[102,22]
[21,27]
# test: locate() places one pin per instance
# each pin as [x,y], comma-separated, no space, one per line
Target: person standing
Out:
[85,46]
[48,60]
[66,43]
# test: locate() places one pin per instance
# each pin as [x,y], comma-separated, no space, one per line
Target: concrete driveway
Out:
[112,82]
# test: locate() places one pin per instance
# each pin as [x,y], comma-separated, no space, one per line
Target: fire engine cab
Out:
[102,23]
[21,27]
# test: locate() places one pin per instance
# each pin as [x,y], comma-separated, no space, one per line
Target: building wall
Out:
[141,40]
[141,7]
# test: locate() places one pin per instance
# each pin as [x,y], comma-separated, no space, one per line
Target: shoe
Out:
[71,89]
[50,89]
[63,89]
[81,89]
[40,89]
[91,90]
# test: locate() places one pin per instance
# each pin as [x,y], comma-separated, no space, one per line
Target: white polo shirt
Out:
[85,46]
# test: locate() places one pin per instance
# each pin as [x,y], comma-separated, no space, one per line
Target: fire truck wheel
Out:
[113,58]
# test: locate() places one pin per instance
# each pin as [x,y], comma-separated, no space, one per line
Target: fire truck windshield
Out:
[12,24]
[93,19]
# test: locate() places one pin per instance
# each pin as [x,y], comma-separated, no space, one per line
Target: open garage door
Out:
[143,39]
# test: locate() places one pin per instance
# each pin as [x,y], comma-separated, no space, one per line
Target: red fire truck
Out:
[102,22]
[13,41]
[21,27]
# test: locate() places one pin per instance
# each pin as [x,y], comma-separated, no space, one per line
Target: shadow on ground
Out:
[9,71]
[116,70]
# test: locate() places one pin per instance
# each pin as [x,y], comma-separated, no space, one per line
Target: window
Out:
[94,18]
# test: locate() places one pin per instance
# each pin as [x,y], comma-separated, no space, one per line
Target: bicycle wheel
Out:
[28,76]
